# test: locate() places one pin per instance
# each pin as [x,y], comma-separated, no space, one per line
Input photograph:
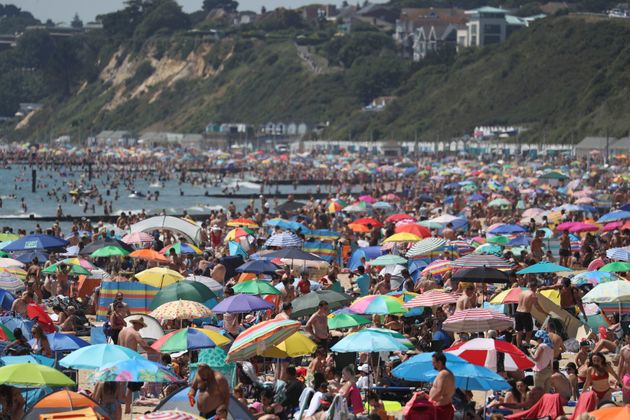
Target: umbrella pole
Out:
[485,403]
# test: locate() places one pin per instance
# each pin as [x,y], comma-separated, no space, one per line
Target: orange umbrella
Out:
[149,255]
[357,227]
[242,222]
[64,399]
[414,228]
[369,221]
[611,413]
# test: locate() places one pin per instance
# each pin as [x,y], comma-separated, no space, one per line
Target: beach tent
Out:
[153,330]
[60,401]
[178,400]
[138,297]
[83,414]
[175,224]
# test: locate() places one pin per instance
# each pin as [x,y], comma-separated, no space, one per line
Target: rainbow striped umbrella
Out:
[11,283]
[438,267]
[189,339]
[460,247]
[258,338]
[594,278]
[80,261]
[182,248]
[378,304]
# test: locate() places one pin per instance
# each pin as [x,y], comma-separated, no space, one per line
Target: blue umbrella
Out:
[241,304]
[467,376]
[97,355]
[12,322]
[284,240]
[508,228]
[33,242]
[622,254]
[368,341]
[258,267]
[64,342]
[31,358]
[27,257]
[522,240]
[6,300]
[543,267]
[614,216]
[625,207]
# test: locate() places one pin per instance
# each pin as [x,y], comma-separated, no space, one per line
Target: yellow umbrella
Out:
[295,346]
[159,276]
[403,237]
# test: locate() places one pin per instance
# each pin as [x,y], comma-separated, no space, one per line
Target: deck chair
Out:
[338,409]
[304,400]
[548,406]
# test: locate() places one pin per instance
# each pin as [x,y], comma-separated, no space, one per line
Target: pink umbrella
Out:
[476,320]
[137,238]
[612,226]
[584,200]
[533,212]
[583,227]
[367,199]
[596,264]
[390,197]
[565,226]
[431,298]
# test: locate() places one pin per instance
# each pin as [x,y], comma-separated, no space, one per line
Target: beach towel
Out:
[548,406]
[137,296]
[586,403]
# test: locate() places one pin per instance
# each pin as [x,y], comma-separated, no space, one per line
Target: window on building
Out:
[492,29]
[473,40]
[491,39]
[473,29]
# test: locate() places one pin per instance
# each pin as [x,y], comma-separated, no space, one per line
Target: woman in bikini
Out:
[109,396]
[598,376]
[40,342]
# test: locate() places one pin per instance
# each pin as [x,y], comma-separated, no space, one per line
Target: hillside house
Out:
[112,138]
[319,11]
[378,104]
[490,25]
[621,146]
[598,145]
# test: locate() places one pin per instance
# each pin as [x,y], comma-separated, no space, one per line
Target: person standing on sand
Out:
[624,370]
[523,316]
[212,391]
[443,389]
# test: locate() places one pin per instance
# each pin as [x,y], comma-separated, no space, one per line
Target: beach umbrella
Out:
[378,304]
[184,290]
[460,247]
[611,413]
[242,222]
[584,227]
[425,247]
[258,338]
[37,241]
[307,304]
[33,375]
[181,248]
[30,358]
[181,309]
[510,295]
[388,259]
[137,238]
[467,376]
[359,228]
[242,304]
[284,240]
[339,321]
[81,262]
[159,276]
[11,283]
[522,240]
[34,311]
[399,217]
[6,334]
[258,267]
[367,199]
[360,207]
[594,278]
[489,249]
[480,260]
[210,283]
[64,342]
[96,355]
[64,400]
[616,267]
[169,415]
[256,287]
[438,267]
[4,237]
[507,229]
[189,339]
[291,225]
[296,345]
[498,240]
[499,202]
[294,255]
[413,228]
[368,342]
[394,334]
[622,254]
[368,221]
[323,234]
[75,269]
[403,237]
[238,233]
[6,300]
[483,352]
[431,298]
[10,262]
[134,370]
[289,206]
[481,275]
[10,323]
[477,320]
[617,291]
[614,216]
[430,224]
[29,256]
[543,267]
[148,254]
[109,251]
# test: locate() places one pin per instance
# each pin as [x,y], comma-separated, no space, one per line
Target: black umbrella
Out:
[292,254]
[102,243]
[289,206]
[307,304]
[481,275]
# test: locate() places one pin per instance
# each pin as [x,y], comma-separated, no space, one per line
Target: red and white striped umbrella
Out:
[431,298]
[438,267]
[483,352]
[482,260]
[476,320]
[168,415]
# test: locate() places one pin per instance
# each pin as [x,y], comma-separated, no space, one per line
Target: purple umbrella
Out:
[241,304]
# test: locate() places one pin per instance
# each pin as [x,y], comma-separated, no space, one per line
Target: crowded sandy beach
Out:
[314,285]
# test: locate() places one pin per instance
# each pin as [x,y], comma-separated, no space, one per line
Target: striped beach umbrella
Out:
[181,248]
[389,259]
[621,254]
[180,309]
[189,339]
[426,246]
[169,415]
[476,320]
[438,267]
[284,240]
[242,222]
[238,233]
[483,352]
[258,338]
[460,247]
[11,282]
[378,304]
[431,298]
[480,260]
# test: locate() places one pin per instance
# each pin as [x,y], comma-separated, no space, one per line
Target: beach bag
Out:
[419,408]
[107,329]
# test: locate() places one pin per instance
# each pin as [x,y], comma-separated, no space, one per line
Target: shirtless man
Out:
[443,389]
[556,340]
[560,383]
[317,325]
[467,300]
[537,245]
[213,389]
[20,304]
[523,316]
[570,297]
[624,370]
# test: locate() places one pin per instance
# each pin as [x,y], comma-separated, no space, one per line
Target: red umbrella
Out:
[398,217]
[483,352]
[36,312]
[431,298]
[368,221]
[414,228]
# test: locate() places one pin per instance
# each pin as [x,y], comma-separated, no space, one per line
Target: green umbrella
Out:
[307,304]
[499,240]
[388,259]
[256,287]
[77,270]
[183,290]
[110,251]
[615,267]
[499,202]
[346,321]
[431,225]
[33,375]
[3,254]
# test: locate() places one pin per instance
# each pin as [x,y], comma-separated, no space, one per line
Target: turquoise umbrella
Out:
[368,341]
[97,355]
[543,267]
[388,259]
